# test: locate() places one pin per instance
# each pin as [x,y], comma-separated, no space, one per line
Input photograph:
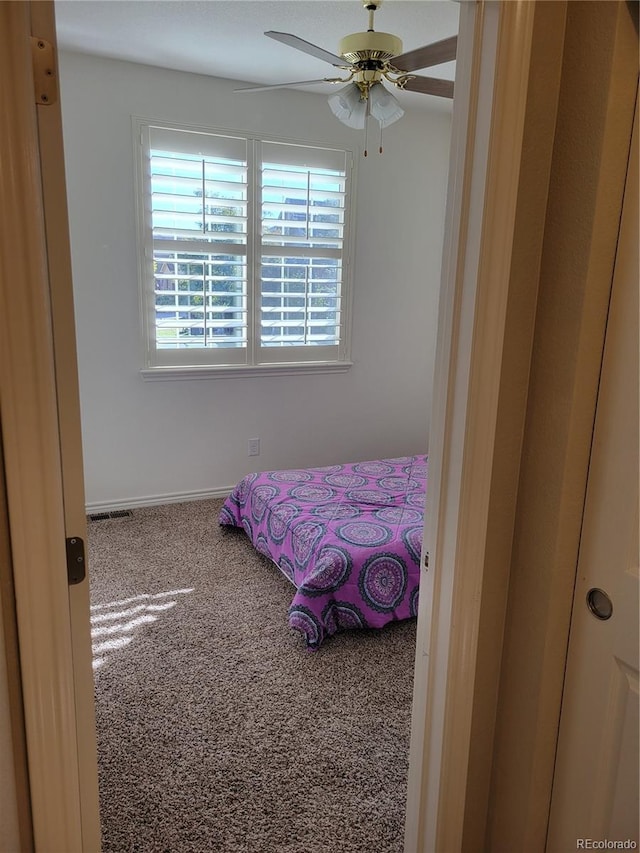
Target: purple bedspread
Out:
[348,537]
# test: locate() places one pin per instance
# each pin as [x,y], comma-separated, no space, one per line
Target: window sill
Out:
[225,372]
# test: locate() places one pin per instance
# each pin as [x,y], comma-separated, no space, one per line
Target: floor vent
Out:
[104,516]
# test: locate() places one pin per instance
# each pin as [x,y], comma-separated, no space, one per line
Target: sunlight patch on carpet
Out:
[122,627]
[142,596]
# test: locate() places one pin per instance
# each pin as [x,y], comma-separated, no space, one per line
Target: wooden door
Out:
[41,441]
[595,790]
[54,200]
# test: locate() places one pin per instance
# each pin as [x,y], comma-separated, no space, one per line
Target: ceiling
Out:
[225,38]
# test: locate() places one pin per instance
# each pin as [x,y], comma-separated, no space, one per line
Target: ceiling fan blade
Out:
[307,47]
[425,57]
[430,86]
[283,85]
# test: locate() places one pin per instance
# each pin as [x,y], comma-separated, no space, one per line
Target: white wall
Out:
[144,440]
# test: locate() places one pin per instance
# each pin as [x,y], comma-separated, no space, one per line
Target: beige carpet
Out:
[217,730]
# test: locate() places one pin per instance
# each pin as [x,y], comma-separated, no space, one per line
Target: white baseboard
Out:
[155,500]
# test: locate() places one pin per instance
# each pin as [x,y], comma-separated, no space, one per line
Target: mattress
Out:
[348,538]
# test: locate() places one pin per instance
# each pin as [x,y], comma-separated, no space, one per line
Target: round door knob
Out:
[599,603]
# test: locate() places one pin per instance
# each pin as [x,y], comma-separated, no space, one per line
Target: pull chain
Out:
[366,126]
[366,135]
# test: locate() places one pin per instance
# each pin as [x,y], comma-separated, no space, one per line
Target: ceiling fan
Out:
[371,58]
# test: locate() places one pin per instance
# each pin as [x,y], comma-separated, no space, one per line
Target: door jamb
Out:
[491,89]
[452,657]
[54,197]
[31,444]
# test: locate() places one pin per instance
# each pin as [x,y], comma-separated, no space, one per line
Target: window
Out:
[243,252]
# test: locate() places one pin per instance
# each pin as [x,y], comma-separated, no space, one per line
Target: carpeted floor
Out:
[217,730]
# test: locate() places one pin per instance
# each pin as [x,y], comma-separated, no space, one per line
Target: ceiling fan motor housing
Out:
[359,47]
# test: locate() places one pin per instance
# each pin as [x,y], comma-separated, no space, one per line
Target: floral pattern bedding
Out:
[348,537]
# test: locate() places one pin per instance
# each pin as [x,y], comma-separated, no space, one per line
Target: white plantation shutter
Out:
[303,217]
[198,201]
[227,282]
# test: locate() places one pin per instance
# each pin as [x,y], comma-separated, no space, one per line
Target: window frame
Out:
[198,363]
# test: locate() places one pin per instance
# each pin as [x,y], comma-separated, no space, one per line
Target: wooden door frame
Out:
[16,818]
[54,197]
[536,187]
[596,103]
[479,389]
[31,446]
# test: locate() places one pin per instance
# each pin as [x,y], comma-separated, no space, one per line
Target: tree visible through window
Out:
[244,246]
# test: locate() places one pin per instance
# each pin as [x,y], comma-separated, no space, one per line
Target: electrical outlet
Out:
[254,447]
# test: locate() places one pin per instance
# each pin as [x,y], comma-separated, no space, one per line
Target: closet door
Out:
[595,789]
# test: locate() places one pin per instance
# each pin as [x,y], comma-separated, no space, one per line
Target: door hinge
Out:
[44,71]
[76,569]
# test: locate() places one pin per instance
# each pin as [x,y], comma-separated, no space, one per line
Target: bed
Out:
[348,537]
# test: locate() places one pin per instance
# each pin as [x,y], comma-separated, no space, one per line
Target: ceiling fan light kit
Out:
[352,108]
[372,59]
[349,107]
[384,106]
